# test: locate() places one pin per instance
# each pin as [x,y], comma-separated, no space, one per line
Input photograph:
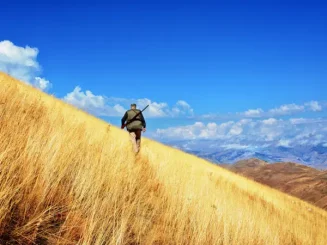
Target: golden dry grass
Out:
[69,178]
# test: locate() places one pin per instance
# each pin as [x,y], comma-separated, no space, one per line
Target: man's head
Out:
[133,106]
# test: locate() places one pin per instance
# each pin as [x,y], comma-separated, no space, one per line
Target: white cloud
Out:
[283,110]
[14,55]
[182,107]
[120,109]
[306,120]
[183,103]
[257,133]
[155,109]
[94,104]
[298,120]
[314,106]
[245,121]
[235,130]
[269,121]
[42,83]
[186,132]
[21,63]
[287,109]
[198,130]
[161,109]
[100,105]
[269,133]
[283,142]
[253,113]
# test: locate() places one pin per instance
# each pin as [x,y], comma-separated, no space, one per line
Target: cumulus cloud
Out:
[21,63]
[290,109]
[159,109]
[287,109]
[313,106]
[42,83]
[186,132]
[182,107]
[198,130]
[94,104]
[283,110]
[270,121]
[257,133]
[306,120]
[253,113]
[298,120]
[100,105]
[236,130]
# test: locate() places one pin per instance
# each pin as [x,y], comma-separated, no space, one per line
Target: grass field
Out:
[69,178]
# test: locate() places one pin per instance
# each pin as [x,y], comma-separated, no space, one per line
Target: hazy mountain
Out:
[314,156]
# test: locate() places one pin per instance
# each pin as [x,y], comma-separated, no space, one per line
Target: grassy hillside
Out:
[306,183]
[69,178]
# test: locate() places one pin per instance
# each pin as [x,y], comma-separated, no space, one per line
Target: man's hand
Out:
[122,127]
[144,129]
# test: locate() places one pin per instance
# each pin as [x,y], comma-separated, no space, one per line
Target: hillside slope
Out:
[298,180]
[248,164]
[69,178]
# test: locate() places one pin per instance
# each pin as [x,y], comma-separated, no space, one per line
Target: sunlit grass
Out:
[69,178]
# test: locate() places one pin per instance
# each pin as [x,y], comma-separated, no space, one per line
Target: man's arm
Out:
[124,118]
[142,120]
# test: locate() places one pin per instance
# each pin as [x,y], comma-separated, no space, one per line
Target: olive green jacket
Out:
[137,123]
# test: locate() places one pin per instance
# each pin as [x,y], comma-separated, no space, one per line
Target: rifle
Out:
[125,124]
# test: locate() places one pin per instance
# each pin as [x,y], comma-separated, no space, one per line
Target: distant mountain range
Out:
[313,156]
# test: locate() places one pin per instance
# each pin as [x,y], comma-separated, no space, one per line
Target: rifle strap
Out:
[135,117]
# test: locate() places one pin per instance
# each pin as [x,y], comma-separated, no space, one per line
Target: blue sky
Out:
[192,62]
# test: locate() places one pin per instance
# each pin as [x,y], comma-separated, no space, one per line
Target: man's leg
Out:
[138,139]
[132,135]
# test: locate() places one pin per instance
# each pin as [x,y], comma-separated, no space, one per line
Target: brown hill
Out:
[249,163]
[298,180]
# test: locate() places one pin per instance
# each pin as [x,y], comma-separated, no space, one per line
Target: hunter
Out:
[134,127]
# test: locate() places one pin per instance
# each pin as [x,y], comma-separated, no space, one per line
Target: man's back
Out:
[137,123]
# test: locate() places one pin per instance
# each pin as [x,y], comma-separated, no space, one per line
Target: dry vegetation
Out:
[306,183]
[69,178]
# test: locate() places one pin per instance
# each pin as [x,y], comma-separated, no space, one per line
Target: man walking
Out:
[135,126]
